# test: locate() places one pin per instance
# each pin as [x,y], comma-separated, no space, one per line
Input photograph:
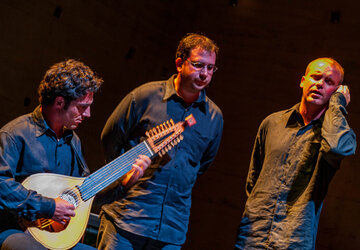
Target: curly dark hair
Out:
[193,40]
[70,79]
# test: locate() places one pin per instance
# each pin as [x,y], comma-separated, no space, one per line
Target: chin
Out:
[198,88]
[317,102]
[74,126]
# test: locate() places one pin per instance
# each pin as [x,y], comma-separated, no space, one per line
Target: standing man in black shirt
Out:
[154,213]
[296,154]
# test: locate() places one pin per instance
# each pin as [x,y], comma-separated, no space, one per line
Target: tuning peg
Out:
[154,131]
[172,122]
[181,137]
[147,134]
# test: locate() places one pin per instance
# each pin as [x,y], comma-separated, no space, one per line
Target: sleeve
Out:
[256,161]
[211,151]
[13,196]
[114,140]
[338,139]
[117,129]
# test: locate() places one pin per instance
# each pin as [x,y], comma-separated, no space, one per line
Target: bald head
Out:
[327,60]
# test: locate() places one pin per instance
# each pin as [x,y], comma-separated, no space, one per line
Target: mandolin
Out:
[81,191]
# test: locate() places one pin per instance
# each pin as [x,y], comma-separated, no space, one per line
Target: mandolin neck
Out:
[112,171]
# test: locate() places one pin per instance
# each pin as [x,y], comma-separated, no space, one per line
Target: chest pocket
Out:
[194,145]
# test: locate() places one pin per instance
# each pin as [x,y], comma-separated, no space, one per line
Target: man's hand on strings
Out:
[137,171]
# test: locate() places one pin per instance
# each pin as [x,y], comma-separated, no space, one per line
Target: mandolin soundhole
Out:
[72,196]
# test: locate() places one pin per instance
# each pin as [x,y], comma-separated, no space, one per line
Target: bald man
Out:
[295,156]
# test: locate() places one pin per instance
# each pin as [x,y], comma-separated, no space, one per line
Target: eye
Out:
[82,108]
[316,77]
[198,65]
[211,67]
[329,81]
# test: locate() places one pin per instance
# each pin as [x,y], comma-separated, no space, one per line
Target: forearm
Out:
[23,202]
[14,196]
[338,137]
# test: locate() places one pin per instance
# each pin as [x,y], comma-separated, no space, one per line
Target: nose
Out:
[204,72]
[87,112]
[319,84]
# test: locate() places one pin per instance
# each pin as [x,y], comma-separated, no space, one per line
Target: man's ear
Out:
[59,102]
[179,62]
[302,82]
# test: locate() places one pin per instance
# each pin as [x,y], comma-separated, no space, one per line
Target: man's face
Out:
[197,70]
[320,82]
[77,111]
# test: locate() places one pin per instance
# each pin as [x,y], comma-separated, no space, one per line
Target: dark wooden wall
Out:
[264,49]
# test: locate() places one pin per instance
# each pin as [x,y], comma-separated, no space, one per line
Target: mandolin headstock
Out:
[165,136]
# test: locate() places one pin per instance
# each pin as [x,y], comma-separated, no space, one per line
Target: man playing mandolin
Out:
[44,142]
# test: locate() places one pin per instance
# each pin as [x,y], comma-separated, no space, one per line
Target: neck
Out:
[310,112]
[188,96]
[50,116]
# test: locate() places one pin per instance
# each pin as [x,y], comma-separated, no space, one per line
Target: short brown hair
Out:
[192,41]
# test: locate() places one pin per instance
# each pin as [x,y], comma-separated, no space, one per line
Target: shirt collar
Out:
[171,92]
[296,118]
[42,126]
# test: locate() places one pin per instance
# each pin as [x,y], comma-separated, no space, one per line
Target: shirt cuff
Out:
[339,98]
[47,208]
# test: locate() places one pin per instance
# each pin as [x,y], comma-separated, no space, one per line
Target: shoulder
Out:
[149,88]
[276,118]
[150,93]
[214,111]
[18,125]
[16,131]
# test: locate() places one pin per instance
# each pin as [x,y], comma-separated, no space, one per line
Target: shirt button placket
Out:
[58,144]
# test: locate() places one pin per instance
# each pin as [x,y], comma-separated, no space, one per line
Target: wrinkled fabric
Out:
[28,146]
[158,206]
[290,170]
